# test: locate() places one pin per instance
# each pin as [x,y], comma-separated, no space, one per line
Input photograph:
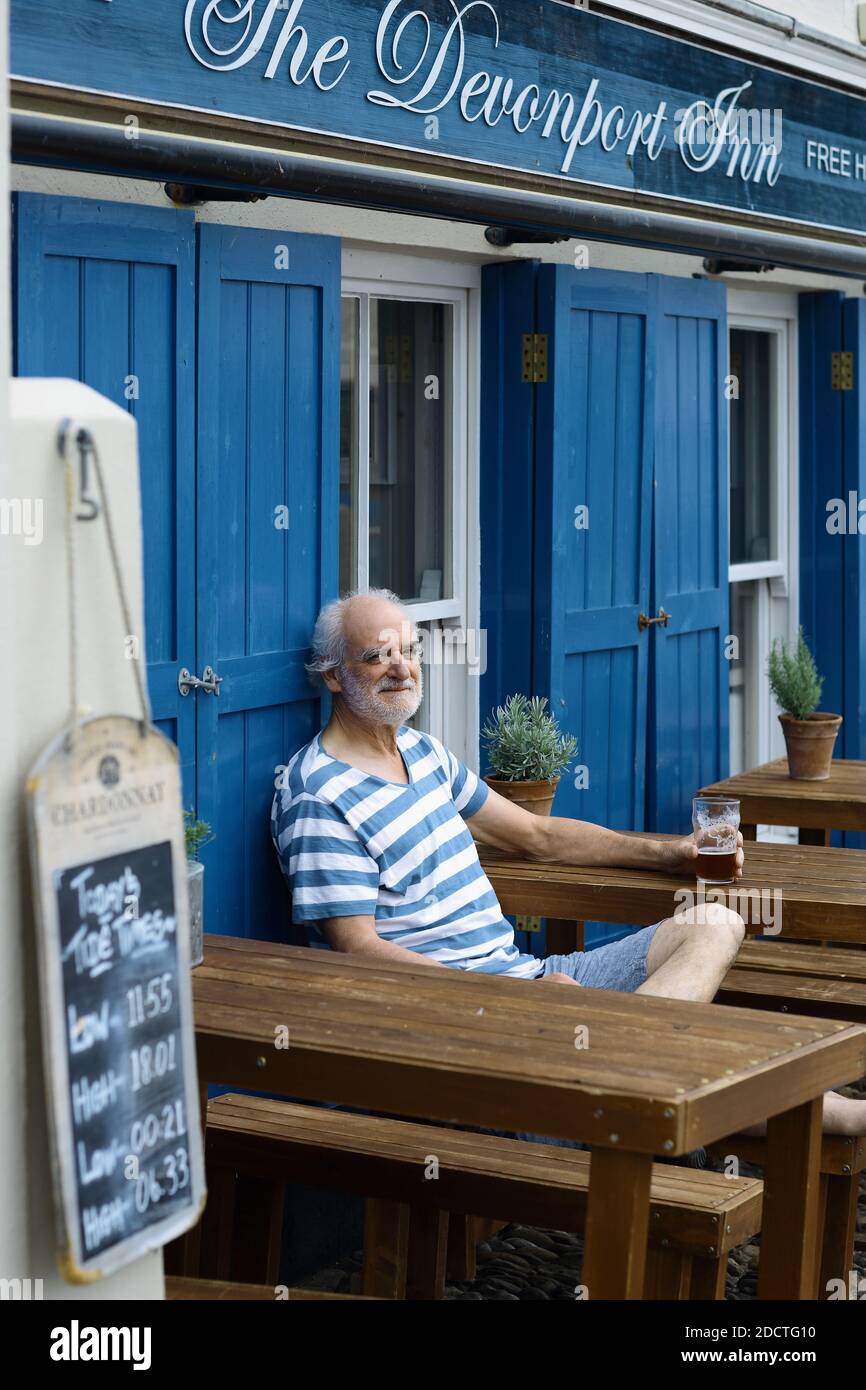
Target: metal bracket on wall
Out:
[843,371]
[535,359]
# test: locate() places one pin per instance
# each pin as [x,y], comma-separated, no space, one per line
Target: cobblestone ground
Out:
[521,1263]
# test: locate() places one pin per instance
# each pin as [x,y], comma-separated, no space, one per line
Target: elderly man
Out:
[372,827]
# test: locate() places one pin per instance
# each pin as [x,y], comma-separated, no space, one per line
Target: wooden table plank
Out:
[768,796]
[792,958]
[795,994]
[823,891]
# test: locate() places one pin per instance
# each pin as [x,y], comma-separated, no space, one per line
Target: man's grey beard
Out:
[381,709]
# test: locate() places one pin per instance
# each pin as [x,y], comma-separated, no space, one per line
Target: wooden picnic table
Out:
[823,891]
[768,796]
[657,1076]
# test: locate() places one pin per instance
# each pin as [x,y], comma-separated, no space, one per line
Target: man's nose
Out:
[399,669]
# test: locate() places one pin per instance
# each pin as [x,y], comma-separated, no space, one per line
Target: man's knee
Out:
[723,927]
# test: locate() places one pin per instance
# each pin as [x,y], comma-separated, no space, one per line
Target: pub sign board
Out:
[109,874]
[535,86]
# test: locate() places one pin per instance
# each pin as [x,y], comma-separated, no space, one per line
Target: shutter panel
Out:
[592,580]
[105,294]
[269,404]
[688,746]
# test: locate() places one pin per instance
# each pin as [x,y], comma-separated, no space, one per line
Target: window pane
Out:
[410,448]
[752,447]
[349,393]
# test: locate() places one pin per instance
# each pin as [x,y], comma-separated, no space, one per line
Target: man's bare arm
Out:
[558,840]
[357,936]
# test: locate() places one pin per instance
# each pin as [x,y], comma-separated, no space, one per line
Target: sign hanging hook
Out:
[83,440]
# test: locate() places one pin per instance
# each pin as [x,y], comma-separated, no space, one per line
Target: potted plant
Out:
[526,753]
[197,834]
[809,736]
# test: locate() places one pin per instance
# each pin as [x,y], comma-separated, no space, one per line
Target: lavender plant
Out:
[524,742]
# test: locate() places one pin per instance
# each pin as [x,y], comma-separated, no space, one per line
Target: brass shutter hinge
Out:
[527,924]
[535,359]
[843,371]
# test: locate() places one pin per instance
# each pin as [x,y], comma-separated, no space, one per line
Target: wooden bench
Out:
[179,1289]
[821,981]
[843,1159]
[696,1217]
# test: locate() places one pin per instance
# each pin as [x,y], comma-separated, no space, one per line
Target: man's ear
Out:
[332,681]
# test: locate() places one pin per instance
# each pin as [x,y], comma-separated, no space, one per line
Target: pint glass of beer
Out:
[715,821]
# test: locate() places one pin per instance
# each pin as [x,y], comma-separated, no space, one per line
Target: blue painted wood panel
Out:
[592,567]
[543,87]
[689,711]
[105,294]
[269,355]
[833,475]
[507,483]
[822,568]
[593,451]
[853,735]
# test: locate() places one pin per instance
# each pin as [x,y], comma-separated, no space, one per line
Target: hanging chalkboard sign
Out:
[109,871]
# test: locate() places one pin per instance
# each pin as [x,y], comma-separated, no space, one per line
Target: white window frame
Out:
[775,313]
[453,703]
[778,330]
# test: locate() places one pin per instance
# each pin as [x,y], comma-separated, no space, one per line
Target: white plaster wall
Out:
[39,671]
[753,35]
[837,17]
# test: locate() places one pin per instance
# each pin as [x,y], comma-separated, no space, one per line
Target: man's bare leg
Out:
[841,1116]
[688,958]
[690,954]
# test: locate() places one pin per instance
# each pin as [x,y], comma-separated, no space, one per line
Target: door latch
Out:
[210,682]
[662,620]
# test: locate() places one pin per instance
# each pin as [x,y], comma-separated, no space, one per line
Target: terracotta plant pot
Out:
[536,797]
[810,744]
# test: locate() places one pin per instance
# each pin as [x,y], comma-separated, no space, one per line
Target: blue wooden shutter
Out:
[688,720]
[269,384]
[822,571]
[833,466]
[104,293]
[593,449]
[853,734]
[507,482]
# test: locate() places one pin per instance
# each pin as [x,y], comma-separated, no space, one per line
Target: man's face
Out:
[381,677]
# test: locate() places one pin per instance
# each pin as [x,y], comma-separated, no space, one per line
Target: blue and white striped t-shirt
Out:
[351,844]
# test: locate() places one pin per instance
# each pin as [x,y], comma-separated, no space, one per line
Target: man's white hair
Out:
[329,639]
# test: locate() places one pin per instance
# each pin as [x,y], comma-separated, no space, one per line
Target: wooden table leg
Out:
[617,1219]
[386,1249]
[807,836]
[428,1252]
[840,1228]
[183,1256]
[563,937]
[792,1175]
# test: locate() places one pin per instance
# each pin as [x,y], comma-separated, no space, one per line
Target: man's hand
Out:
[678,856]
[560,979]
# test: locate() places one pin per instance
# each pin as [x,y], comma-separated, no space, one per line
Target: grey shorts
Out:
[620,966]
